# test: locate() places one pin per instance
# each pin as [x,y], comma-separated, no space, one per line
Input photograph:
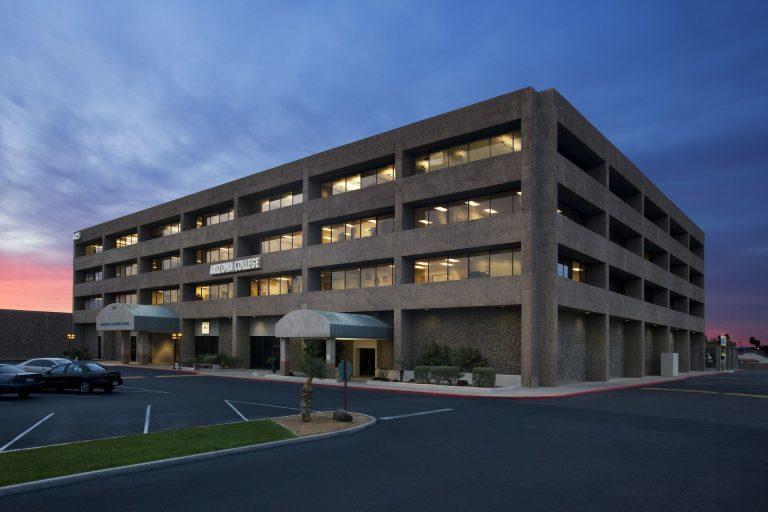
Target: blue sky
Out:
[109,107]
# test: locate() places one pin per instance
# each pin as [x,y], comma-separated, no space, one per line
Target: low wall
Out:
[28,334]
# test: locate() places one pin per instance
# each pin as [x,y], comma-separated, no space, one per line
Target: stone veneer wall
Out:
[616,348]
[28,334]
[571,346]
[494,331]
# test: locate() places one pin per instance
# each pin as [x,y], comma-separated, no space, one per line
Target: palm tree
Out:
[313,368]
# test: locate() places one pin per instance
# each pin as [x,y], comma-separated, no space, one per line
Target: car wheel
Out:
[23,394]
[85,387]
[108,388]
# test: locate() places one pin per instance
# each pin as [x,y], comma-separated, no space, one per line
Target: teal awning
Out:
[310,323]
[137,317]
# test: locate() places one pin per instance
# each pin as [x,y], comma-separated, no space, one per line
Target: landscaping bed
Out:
[322,422]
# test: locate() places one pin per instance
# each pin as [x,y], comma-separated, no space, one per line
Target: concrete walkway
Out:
[564,390]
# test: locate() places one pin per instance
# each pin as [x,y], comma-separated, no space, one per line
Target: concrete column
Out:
[284,363]
[142,347]
[634,349]
[402,338]
[187,348]
[539,242]
[682,342]
[697,351]
[241,340]
[661,342]
[330,357]
[125,345]
[597,347]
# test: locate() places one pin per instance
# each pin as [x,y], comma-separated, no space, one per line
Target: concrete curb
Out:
[60,481]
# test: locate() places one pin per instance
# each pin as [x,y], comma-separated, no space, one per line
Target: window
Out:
[274,202]
[166,229]
[93,275]
[358,228]
[126,298]
[93,248]
[358,180]
[456,268]
[473,151]
[284,242]
[165,296]
[214,291]
[470,209]
[126,269]
[571,269]
[126,240]
[209,219]
[165,262]
[277,285]
[93,303]
[214,254]
[369,276]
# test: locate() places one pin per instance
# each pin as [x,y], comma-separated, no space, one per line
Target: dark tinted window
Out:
[93,367]
[59,369]
[10,369]
[73,369]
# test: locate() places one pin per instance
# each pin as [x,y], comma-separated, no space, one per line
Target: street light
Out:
[176,337]
[71,338]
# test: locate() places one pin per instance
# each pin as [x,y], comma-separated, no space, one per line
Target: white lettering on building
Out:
[229,267]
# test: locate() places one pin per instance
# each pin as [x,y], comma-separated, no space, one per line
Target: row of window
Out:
[478,264]
[462,211]
[172,228]
[284,242]
[127,298]
[126,269]
[165,263]
[93,275]
[126,240]
[358,228]
[280,201]
[357,277]
[165,296]
[358,180]
[480,149]
[214,254]
[209,219]
[276,285]
[215,291]
[571,269]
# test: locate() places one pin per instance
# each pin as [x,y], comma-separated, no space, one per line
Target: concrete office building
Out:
[511,225]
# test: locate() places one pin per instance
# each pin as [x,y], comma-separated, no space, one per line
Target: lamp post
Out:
[71,339]
[176,337]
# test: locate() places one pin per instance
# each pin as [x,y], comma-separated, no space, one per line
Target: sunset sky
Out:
[110,107]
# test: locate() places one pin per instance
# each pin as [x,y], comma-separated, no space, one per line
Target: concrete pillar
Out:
[284,362]
[661,343]
[187,348]
[697,351]
[124,342]
[682,343]
[330,357]
[241,340]
[402,339]
[539,244]
[597,347]
[634,349]
[142,347]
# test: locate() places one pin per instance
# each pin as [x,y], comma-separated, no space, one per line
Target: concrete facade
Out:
[28,334]
[580,200]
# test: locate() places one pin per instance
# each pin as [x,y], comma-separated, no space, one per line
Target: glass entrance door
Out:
[133,349]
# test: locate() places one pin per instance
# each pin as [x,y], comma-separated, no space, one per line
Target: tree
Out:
[754,342]
[313,368]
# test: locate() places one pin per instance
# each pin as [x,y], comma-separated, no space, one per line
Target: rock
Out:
[462,382]
[342,415]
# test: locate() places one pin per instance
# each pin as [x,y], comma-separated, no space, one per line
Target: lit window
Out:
[479,149]
[459,267]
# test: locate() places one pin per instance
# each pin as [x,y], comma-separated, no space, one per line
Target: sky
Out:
[109,107]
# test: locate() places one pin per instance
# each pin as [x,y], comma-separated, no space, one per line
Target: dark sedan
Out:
[19,381]
[84,377]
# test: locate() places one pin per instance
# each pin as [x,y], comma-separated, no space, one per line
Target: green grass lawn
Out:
[39,463]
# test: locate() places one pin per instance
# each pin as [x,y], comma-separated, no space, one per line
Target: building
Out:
[28,334]
[511,225]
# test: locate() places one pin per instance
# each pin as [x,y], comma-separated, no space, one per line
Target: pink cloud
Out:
[30,282]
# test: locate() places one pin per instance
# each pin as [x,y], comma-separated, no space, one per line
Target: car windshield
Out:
[93,367]
[61,361]
[9,369]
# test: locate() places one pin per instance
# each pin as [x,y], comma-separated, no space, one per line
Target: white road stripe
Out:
[146,419]
[385,418]
[9,443]
[266,405]
[147,390]
[236,411]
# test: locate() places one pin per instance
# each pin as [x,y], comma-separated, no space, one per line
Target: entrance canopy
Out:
[310,323]
[136,317]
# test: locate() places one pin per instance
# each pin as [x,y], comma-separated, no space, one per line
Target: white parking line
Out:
[236,411]
[266,405]
[385,418]
[147,390]
[146,419]
[9,443]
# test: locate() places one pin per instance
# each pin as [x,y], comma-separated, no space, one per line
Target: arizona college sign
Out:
[230,267]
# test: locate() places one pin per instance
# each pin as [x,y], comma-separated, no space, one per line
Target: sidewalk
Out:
[519,392]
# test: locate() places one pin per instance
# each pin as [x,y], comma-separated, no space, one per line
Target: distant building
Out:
[28,334]
[511,225]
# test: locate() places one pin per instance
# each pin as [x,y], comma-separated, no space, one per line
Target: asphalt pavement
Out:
[697,445]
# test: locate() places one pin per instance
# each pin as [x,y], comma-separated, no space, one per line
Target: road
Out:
[691,445]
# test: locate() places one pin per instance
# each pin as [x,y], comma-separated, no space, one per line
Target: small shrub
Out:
[484,377]
[462,382]
[421,374]
[273,362]
[210,359]
[189,361]
[445,374]
[314,349]
[435,354]
[467,358]
[225,360]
